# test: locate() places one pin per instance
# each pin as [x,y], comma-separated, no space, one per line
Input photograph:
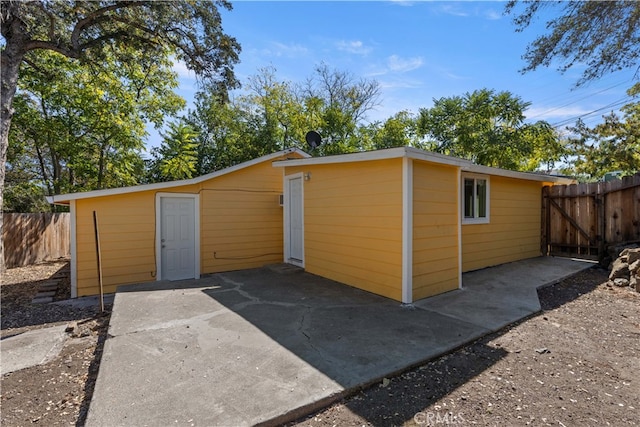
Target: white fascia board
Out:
[62,198]
[364,156]
[427,156]
[529,176]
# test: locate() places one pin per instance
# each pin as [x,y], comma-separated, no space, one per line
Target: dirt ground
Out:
[59,392]
[576,363]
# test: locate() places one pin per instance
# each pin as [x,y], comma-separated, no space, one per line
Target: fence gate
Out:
[583,220]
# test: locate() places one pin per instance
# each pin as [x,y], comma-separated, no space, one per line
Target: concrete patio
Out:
[268,345]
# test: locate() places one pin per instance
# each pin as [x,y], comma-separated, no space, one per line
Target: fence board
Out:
[583,219]
[30,238]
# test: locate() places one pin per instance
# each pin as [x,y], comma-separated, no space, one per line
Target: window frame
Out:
[475,178]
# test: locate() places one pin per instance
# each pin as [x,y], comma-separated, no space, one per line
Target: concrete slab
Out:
[41,300]
[267,345]
[247,347]
[31,348]
[498,296]
[86,302]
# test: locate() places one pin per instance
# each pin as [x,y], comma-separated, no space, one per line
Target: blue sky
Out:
[417,51]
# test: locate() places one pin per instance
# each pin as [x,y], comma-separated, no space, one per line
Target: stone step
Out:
[41,300]
[46,294]
[49,282]
[51,287]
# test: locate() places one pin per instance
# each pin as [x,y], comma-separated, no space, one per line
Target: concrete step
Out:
[41,300]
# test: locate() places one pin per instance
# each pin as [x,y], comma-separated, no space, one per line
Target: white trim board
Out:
[73,249]
[407,230]
[422,155]
[286,219]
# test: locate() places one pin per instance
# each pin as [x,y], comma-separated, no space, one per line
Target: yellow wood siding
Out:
[240,221]
[435,229]
[513,232]
[353,224]
[127,229]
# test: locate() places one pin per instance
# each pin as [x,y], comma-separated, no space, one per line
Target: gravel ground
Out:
[574,364]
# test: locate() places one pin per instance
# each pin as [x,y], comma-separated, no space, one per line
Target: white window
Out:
[475,199]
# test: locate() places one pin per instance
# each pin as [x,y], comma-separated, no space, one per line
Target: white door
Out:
[295,220]
[178,238]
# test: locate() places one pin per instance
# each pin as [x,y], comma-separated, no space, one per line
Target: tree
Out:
[488,128]
[610,146]
[400,130]
[601,34]
[191,30]
[176,158]
[338,103]
[84,126]
[274,114]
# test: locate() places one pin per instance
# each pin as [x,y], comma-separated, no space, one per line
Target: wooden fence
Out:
[583,220]
[30,238]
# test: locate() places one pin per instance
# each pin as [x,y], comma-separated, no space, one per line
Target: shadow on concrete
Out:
[409,394]
[353,337]
[280,344]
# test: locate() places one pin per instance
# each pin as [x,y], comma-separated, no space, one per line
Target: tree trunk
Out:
[10,60]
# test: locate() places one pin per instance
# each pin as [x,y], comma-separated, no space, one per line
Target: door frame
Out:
[287,220]
[196,224]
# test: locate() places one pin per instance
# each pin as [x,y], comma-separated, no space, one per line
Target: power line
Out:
[579,99]
[614,104]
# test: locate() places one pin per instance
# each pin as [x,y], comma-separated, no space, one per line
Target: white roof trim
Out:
[529,176]
[365,156]
[418,154]
[60,198]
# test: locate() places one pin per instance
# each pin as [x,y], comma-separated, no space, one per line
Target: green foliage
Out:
[80,123]
[607,147]
[274,115]
[488,128]
[603,35]
[336,104]
[24,197]
[82,127]
[177,156]
[399,130]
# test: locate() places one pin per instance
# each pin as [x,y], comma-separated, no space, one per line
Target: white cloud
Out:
[182,70]
[285,50]
[402,2]
[492,15]
[451,9]
[353,46]
[402,65]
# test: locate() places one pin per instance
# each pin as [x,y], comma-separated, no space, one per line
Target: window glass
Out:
[481,192]
[468,198]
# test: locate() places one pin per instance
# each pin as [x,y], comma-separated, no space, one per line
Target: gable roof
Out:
[428,156]
[65,198]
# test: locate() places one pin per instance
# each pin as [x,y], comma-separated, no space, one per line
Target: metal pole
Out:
[97,234]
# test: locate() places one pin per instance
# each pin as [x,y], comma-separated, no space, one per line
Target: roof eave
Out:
[62,198]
